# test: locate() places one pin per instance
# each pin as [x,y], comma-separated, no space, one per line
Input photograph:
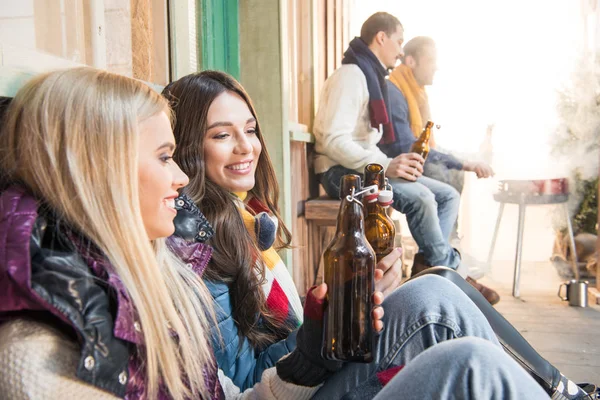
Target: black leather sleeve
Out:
[63,280]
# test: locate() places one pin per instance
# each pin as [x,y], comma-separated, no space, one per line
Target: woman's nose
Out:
[243,144]
[180,179]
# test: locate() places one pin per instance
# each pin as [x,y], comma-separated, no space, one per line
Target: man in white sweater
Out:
[355,115]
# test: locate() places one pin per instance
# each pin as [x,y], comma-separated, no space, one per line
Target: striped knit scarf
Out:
[358,53]
[280,291]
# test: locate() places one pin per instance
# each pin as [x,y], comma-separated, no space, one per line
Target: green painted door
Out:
[219,35]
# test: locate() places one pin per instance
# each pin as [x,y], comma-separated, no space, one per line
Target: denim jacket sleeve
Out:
[269,357]
[235,355]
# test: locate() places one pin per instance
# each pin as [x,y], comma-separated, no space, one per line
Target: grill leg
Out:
[518,254]
[491,253]
[571,242]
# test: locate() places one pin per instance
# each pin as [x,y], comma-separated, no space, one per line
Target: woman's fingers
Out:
[320,291]
[391,280]
[386,262]
[377,298]
[377,315]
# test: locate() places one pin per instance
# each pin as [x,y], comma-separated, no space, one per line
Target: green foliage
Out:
[577,141]
[586,217]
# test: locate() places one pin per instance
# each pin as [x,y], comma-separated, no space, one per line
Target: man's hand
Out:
[389,272]
[480,168]
[407,166]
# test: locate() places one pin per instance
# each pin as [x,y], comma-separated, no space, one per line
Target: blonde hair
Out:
[72,137]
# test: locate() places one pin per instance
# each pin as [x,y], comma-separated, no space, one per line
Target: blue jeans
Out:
[452,177]
[431,209]
[418,315]
[466,369]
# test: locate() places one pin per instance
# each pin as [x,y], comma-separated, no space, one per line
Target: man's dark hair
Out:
[414,47]
[378,22]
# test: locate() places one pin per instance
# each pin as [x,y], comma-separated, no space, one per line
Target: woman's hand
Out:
[320,291]
[305,366]
[388,272]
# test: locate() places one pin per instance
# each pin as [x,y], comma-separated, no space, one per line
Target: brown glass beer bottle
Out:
[379,228]
[350,276]
[421,146]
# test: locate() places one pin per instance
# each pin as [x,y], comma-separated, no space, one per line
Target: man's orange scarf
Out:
[416,97]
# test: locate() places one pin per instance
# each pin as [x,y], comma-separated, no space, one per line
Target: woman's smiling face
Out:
[231,144]
[159,176]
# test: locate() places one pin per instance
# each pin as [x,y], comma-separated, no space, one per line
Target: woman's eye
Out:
[221,136]
[165,158]
[251,131]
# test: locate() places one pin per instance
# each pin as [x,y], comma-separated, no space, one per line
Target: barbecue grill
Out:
[532,192]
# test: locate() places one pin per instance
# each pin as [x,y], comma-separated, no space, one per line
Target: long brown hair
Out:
[236,259]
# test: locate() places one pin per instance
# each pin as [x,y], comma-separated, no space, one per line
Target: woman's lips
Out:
[170,204]
[241,168]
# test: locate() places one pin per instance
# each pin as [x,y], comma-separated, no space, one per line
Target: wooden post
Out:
[595,292]
[598,247]
[48,27]
[75,38]
[141,39]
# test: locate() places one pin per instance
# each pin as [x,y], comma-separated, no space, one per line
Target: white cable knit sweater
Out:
[342,128]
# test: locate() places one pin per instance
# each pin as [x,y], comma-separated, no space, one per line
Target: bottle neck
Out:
[350,219]
[378,179]
[374,208]
[425,135]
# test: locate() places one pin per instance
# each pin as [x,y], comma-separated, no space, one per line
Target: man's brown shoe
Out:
[490,294]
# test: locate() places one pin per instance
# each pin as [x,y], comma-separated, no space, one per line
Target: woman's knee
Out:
[471,352]
[424,289]
[431,295]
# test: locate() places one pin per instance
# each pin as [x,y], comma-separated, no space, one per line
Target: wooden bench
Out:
[321,217]
[315,214]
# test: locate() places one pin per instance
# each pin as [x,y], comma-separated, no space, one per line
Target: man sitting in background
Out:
[406,88]
[355,115]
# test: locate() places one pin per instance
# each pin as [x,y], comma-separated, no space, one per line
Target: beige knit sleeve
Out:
[270,387]
[39,362]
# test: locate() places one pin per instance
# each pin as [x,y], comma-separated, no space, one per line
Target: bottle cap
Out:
[369,193]
[371,198]
[385,198]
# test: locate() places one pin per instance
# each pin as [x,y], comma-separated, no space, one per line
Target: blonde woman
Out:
[89,198]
